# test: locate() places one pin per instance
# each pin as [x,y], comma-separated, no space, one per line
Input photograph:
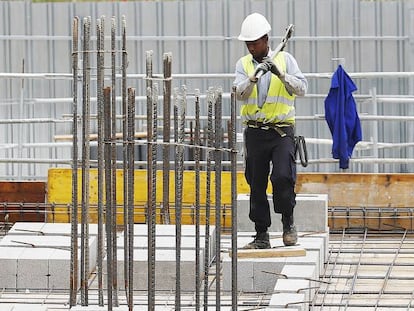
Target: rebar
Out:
[100,112]
[108,195]
[165,215]
[233,160]
[179,107]
[113,162]
[217,171]
[126,163]
[357,268]
[208,197]
[197,184]
[85,162]
[74,214]
[151,186]
[130,193]
[107,164]
[390,267]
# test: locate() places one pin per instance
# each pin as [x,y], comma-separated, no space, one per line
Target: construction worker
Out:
[267,84]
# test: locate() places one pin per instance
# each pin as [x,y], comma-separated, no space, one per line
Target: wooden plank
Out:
[22,201]
[271,252]
[360,190]
[19,191]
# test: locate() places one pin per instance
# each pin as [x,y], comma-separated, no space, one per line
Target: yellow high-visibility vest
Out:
[279,104]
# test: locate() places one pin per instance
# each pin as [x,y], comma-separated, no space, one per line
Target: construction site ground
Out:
[369,264]
[365,270]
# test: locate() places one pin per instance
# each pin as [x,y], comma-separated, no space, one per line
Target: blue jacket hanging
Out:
[342,117]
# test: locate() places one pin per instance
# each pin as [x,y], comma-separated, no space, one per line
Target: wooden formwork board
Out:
[22,201]
[376,201]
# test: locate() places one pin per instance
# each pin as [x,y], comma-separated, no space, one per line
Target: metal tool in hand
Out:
[280,47]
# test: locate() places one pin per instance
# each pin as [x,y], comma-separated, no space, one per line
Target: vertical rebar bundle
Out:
[107,166]
[106,111]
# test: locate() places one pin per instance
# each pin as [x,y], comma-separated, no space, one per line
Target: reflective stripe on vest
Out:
[279,104]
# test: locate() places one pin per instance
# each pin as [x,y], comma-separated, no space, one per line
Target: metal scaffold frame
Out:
[62,143]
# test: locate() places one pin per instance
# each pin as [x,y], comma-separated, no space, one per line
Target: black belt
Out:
[260,124]
[276,126]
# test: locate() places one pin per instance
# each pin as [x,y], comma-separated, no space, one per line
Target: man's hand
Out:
[273,67]
[261,69]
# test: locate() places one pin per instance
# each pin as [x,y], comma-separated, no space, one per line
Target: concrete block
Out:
[305,272]
[310,244]
[51,242]
[168,242]
[318,235]
[244,275]
[300,272]
[22,307]
[42,228]
[310,213]
[38,241]
[59,270]
[8,266]
[26,228]
[66,229]
[289,301]
[169,230]
[97,308]
[165,268]
[295,286]
[265,270]
[33,268]
[46,266]
[7,307]
[265,274]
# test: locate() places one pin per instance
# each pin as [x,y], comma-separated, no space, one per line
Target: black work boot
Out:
[261,241]
[290,236]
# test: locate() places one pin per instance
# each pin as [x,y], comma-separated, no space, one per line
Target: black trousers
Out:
[268,153]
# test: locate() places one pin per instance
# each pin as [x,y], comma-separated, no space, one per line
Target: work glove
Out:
[261,69]
[273,67]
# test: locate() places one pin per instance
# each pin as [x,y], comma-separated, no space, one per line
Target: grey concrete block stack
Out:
[36,256]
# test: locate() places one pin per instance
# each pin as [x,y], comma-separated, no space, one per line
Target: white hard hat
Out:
[254,27]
